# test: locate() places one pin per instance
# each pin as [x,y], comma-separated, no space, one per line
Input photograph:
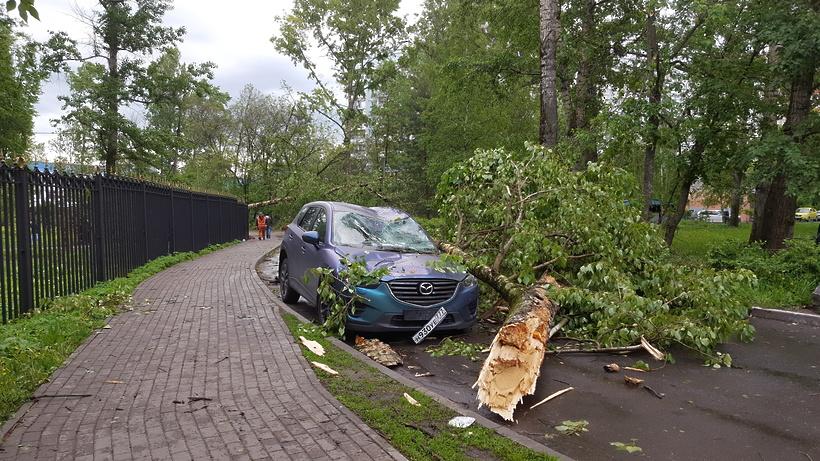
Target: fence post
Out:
[24,263]
[193,234]
[171,233]
[145,220]
[98,231]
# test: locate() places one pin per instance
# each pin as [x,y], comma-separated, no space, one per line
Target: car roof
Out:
[376,212]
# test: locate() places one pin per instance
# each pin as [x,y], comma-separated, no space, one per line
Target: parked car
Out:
[323,233]
[711,216]
[805,214]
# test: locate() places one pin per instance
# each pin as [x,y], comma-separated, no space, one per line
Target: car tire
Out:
[322,310]
[288,294]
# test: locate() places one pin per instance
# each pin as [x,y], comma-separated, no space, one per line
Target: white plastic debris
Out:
[461,422]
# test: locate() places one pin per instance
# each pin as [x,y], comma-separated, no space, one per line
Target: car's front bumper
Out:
[380,311]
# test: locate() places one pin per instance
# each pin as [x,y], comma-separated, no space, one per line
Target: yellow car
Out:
[805,214]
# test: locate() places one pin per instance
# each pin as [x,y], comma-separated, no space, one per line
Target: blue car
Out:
[323,233]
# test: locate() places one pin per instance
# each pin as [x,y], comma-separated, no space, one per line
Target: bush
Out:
[786,277]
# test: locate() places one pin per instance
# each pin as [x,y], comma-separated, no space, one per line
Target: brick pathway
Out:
[201,368]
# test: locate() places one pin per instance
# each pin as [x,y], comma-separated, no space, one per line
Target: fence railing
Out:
[60,234]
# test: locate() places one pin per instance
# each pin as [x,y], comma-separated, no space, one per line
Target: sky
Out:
[233,35]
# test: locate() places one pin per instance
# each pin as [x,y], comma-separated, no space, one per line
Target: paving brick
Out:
[204,328]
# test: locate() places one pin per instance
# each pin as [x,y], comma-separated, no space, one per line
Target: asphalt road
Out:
[767,408]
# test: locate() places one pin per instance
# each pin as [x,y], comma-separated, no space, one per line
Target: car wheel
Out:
[322,310]
[288,294]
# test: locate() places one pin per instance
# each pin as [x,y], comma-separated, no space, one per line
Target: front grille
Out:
[407,290]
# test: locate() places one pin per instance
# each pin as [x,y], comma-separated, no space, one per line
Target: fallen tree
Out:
[520,220]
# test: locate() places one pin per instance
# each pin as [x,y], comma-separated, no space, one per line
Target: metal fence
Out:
[60,234]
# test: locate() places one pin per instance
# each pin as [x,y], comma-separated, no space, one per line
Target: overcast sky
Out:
[233,35]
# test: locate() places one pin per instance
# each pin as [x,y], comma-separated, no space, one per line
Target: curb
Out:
[786,316]
[481,420]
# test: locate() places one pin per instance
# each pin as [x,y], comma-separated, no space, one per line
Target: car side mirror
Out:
[311,237]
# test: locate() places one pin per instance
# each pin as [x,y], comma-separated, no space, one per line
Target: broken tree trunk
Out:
[511,369]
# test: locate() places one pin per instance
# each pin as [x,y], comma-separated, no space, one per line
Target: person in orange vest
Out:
[260,226]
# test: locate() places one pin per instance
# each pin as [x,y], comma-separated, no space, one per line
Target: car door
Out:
[297,260]
[312,256]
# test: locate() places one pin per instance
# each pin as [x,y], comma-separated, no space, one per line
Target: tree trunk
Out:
[549,32]
[654,121]
[112,109]
[760,196]
[778,214]
[511,370]
[737,198]
[672,221]
[586,90]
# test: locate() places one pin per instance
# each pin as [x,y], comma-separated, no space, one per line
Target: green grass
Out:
[33,346]
[420,433]
[694,239]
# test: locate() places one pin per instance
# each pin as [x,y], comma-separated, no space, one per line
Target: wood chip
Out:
[634,369]
[107,327]
[653,351]
[633,381]
[424,375]
[378,351]
[552,396]
[411,400]
[324,367]
[114,381]
[612,368]
[313,346]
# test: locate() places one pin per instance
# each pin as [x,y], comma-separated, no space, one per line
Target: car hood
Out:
[400,265]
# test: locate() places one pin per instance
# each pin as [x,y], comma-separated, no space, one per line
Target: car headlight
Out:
[469,281]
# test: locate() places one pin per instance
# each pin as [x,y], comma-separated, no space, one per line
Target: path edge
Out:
[481,420]
[786,316]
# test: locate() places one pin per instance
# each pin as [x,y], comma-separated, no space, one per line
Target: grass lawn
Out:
[36,344]
[420,433]
[694,239]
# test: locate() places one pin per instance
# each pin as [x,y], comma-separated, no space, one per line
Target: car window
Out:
[320,224]
[383,233]
[306,223]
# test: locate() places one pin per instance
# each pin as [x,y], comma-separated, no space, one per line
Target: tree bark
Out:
[586,90]
[778,213]
[653,121]
[672,221]
[511,370]
[549,31]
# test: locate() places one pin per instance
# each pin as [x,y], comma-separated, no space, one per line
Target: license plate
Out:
[427,328]
[419,314]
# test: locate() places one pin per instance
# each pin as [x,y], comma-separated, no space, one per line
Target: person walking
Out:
[268,226]
[260,226]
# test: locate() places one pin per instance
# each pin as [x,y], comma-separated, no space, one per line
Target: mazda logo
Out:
[425,288]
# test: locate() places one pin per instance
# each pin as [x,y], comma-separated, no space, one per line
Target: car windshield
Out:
[803,210]
[400,234]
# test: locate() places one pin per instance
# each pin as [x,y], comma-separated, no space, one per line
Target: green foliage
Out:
[338,290]
[419,433]
[450,346]
[579,226]
[33,346]
[786,277]
[570,427]
[641,365]
[25,8]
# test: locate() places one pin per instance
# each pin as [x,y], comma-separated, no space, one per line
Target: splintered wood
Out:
[378,351]
[512,368]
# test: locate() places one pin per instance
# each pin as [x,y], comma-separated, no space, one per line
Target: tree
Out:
[357,36]
[549,31]
[787,156]
[24,65]
[123,34]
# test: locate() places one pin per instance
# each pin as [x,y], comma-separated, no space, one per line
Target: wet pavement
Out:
[766,408]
